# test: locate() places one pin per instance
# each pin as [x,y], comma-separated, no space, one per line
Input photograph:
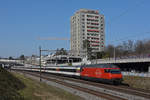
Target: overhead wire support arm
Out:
[49,50]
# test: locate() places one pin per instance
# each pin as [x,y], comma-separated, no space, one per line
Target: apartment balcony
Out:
[93,30]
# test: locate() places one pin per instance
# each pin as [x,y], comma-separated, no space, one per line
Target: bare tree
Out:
[139,47]
[130,46]
[110,50]
[119,51]
[147,47]
[87,47]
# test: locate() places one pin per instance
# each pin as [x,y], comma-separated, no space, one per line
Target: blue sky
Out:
[23,21]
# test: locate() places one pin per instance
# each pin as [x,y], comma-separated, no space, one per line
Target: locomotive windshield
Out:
[115,71]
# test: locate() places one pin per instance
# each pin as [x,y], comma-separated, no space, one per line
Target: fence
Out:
[136,74]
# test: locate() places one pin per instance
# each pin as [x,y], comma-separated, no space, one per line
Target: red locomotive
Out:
[102,72]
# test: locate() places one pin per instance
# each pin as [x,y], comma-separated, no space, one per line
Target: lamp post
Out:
[114,54]
[40,62]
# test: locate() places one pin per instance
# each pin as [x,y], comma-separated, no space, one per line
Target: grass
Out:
[36,90]
[9,86]
[137,82]
[15,86]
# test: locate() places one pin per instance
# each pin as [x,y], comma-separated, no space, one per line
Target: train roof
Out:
[64,67]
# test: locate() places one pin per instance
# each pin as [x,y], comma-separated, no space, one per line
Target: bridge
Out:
[129,64]
[127,60]
[141,64]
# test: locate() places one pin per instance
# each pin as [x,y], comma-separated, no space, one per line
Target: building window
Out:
[94,24]
[90,16]
[88,22]
[96,16]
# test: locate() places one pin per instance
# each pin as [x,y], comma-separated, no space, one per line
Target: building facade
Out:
[90,25]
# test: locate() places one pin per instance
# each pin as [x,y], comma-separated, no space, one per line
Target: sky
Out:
[22,22]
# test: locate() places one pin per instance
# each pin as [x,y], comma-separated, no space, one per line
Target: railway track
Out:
[115,92]
[123,89]
[101,95]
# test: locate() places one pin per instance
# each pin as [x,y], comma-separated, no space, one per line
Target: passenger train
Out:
[107,73]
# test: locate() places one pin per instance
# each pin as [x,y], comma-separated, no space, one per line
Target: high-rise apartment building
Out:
[90,25]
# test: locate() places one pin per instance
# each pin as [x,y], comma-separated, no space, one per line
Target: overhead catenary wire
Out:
[52,38]
[122,14]
[129,37]
[126,11]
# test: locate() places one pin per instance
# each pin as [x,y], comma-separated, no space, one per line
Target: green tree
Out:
[62,51]
[22,57]
[10,58]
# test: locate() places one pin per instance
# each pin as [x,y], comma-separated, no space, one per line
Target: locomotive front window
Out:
[115,71]
[107,70]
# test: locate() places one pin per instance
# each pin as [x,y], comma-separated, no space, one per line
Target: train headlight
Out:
[78,69]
